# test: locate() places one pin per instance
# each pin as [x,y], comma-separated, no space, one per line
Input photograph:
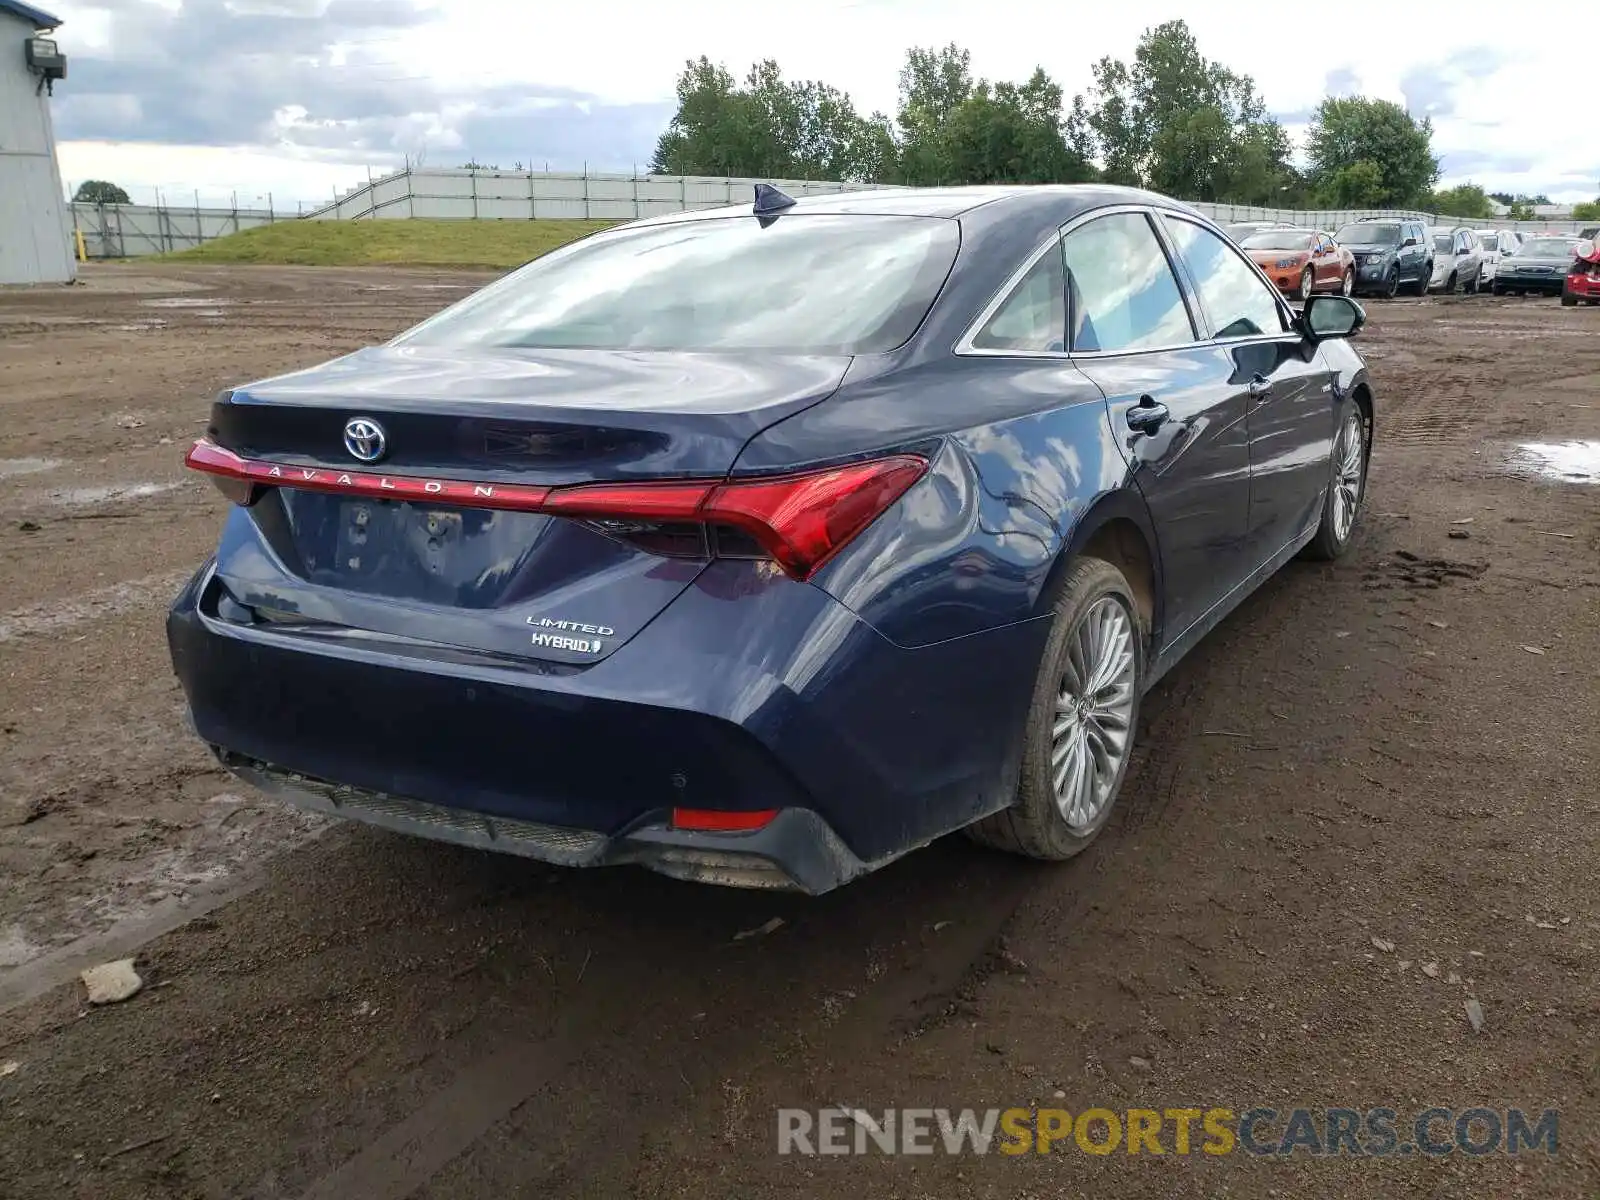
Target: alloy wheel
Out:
[1307,283]
[1094,708]
[1349,284]
[1349,466]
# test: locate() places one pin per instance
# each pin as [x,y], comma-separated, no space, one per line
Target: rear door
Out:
[1280,379]
[1329,269]
[1413,258]
[1179,421]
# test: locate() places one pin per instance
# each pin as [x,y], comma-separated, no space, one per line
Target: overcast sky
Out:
[300,97]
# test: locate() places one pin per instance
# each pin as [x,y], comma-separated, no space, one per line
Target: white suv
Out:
[1494,243]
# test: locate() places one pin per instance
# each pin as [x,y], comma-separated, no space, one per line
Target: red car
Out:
[1302,261]
[1583,276]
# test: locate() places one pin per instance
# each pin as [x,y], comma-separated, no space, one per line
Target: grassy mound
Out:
[403,243]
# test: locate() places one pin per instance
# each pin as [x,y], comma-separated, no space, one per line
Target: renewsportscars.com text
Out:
[1372,1132]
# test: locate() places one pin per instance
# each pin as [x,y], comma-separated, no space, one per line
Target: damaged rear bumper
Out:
[796,851]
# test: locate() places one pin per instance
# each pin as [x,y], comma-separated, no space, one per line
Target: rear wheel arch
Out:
[1361,393]
[1117,528]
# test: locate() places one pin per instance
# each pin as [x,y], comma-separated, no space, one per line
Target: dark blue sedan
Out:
[761,545]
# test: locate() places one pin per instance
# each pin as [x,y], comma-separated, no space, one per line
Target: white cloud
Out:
[1531,112]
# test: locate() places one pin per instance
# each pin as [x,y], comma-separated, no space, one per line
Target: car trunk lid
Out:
[425,542]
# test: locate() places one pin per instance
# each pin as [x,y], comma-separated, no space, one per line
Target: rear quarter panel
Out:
[1022,449]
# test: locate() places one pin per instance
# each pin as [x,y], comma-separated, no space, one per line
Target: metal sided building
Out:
[35,235]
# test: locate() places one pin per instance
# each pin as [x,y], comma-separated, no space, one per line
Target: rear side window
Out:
[1121,289]
[804,284]
[1034,316]
[1239,302]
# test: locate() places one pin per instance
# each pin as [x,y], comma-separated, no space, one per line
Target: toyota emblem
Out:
[365,439]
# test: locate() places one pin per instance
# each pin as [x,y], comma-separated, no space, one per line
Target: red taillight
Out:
[712,820]
[801,520]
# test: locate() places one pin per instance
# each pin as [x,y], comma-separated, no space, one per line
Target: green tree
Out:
[1355,185]
[1180,123]
[934,83]
[98,191]
[1589,210]
[769,128]
[1350,131]
[1009,133]
[1521,210]
[1464,200]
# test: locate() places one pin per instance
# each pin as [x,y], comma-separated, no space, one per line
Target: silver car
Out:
[1457,259]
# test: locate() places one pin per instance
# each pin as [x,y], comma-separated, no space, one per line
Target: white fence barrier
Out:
[508,195]
[126,230]
[131,230]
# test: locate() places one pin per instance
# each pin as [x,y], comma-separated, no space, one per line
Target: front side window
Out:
[1123,294]
[1034,316]
[1239,302]
[804,284]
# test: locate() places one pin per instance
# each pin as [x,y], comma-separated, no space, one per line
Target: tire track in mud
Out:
[527,1114]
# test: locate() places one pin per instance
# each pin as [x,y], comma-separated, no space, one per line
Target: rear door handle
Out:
[1260,388]
[1146,416]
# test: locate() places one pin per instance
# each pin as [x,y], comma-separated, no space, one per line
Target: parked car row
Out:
[1385,256]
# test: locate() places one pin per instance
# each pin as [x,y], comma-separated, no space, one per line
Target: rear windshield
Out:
[1444,243]
[1490,241]
[1277,239]
[1546,248]
[805,284]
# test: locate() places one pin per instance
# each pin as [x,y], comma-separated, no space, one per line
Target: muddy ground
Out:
[1396,750]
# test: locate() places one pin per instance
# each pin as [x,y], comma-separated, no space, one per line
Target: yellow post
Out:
[83,251]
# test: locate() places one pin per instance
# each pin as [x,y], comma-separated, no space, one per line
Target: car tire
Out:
[1450,285]
[1391,283]
[1347,285]
[1308,283]
[1347,488]
[1477,282]
[1497,291]
[1568,301]
[1094,607]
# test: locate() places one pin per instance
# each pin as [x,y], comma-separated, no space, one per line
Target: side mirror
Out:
[1408,242]
[1325,317]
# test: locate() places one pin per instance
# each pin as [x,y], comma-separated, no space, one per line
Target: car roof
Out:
[1063,201]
